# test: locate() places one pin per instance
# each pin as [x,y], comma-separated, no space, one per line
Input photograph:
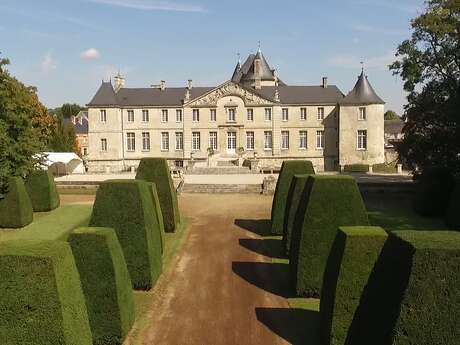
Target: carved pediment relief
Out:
[229,89]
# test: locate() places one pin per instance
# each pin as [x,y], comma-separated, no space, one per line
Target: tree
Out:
[391,115]
[63,138]
[429,64]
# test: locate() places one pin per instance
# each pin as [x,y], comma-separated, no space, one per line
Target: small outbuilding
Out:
[64,163]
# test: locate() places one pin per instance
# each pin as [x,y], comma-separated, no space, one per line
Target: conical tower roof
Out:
[362,93]
[104,96]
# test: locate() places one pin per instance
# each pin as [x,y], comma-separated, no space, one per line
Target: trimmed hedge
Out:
[412,296]
[327,202]
[433,189]
[385,168]
[287,172]
[356,168]
[351,260]
[156,170]
[41,301]
[16,208]
[453,211]
[159,215]
[42,191]
[127,207]
[292,204]
[105,282]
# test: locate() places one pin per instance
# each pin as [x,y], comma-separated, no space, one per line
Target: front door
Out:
[231,142]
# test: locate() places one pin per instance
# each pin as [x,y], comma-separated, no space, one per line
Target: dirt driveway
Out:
[222,289]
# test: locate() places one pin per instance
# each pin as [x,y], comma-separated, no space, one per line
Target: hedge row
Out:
[357,168]
[159,216]
[156,170]
[42,191]
[15,208]
[287,172]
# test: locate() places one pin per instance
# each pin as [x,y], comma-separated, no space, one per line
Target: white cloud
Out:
[147,5]
[48,63]
[90,54]
[354,62]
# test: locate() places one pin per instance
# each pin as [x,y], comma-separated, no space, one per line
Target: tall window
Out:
[320,113]
[303,139]
[104,144]
[362,140]
[303,113]
[145,141]
[196,115]
[231,114]
[145,115]
[250,114]
[249,140]
[268,114]
[196,143]
[213,140]
[131,141]
[130,115]
[213,115]
[285,114]
[284,140]
[178,115]
[362,114]
[164,115]
[320,140]
[268,140]
[103,115]
[179,141]
[164,141]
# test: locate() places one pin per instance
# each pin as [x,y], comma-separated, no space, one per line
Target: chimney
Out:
[119,82]
[162,85]
[325,82]
[190,84]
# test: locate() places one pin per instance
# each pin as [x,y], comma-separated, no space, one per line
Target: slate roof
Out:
[393,126]
[80,128]
[315,94]
[362,93]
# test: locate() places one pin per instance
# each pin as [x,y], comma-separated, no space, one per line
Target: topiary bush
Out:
[327,202]
[453,210]
[105,282]
[356,168]
[156,170]
[412,295]
[385,168]
[41,299]
[42,191]
[288,170]
[353,255]
[15,208]
[127,207]
[159,215]
[433,189]
[292,204]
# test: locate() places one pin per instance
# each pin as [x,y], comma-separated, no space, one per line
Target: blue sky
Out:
[65,48]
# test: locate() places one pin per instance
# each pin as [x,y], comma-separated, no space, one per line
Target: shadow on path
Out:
[270,247]
[260,227]
[295,325]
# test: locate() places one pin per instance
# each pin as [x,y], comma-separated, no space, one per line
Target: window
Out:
[145,141]
[321,113]
[284,140]
[268,114]
[179,141]
[196,141]
[231,114]
[103,115]
[213,140]
[131,141]
[213,115]
[303,140]
[145,115]
[249,140]
[362,114]
[319,140]
[164,141]
[178,115]
[196,115]
[285,114]
[268,142]
[362,140]
[130,115]
[250,114]
[104,145]
[303,113]
[164,115]
[85,151]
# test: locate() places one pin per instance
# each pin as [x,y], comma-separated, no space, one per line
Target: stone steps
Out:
[222,188]
[219,170]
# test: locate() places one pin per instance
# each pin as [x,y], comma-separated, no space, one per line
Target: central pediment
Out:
[229,88]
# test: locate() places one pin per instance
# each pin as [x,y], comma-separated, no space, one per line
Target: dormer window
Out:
[362,114]
[103,115]
[231,114]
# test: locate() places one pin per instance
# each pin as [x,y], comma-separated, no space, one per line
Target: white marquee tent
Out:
[63,163]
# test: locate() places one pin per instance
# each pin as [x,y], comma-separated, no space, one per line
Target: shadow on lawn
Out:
[260,227]
[296,326]
[271,277]
[270,247]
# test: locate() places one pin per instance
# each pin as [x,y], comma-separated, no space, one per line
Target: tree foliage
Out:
[63,138]
[391,115]
[429,64]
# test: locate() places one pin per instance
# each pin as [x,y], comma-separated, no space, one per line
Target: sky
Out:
[67,47]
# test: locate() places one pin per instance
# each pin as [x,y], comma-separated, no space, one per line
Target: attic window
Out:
[362,114]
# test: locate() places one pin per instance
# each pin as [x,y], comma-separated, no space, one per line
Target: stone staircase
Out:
[219,170]
[222,188]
